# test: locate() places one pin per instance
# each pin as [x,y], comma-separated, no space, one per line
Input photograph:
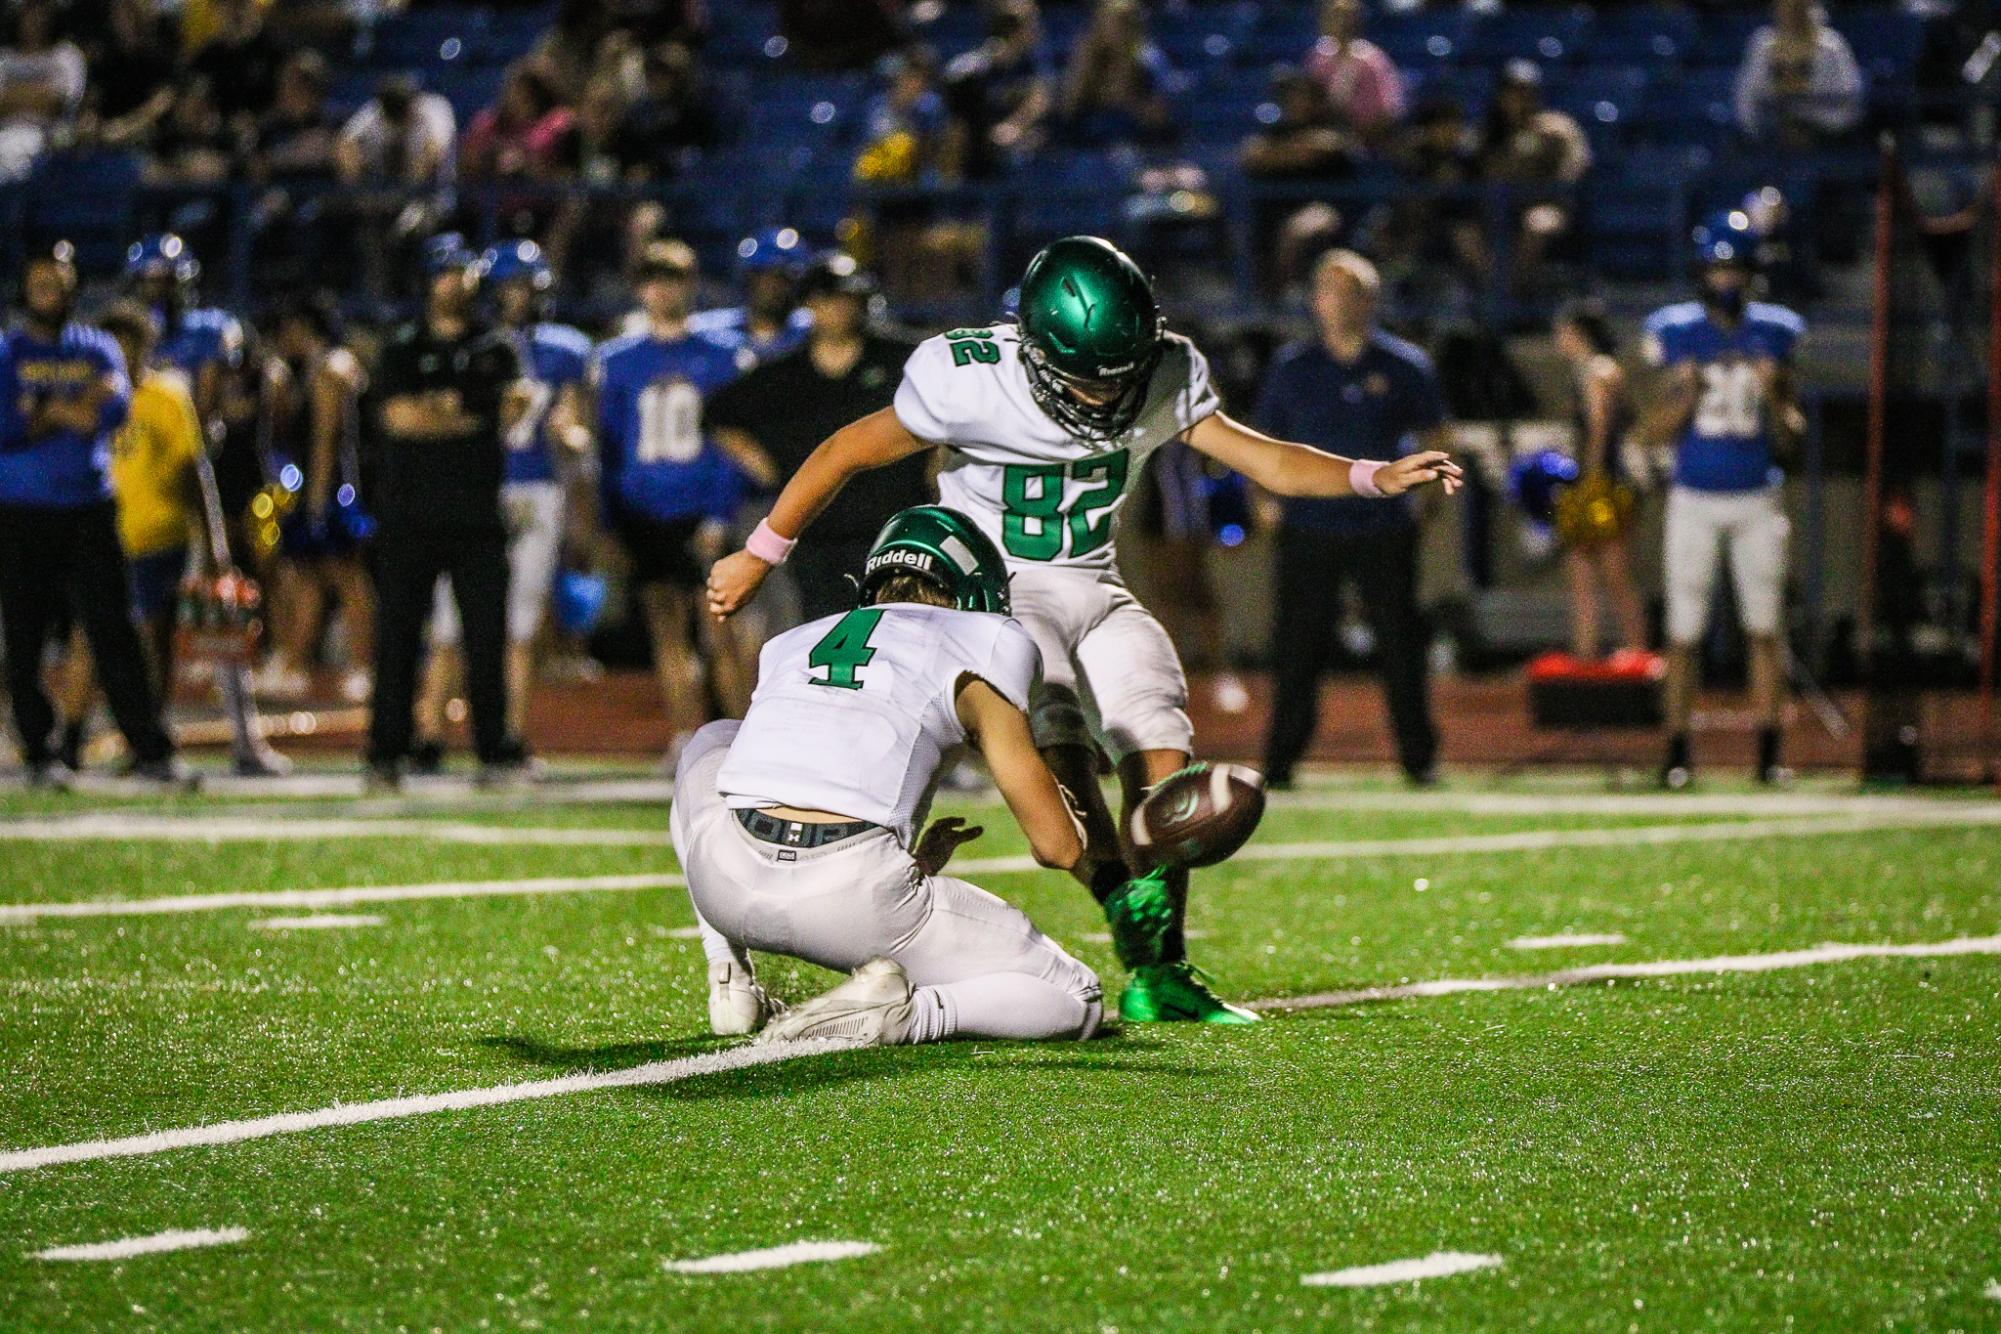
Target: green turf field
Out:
[1770,1134]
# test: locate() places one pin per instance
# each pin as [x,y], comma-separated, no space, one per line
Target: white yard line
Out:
[1994,1289]
[318,922]
[1606,972]
[335,898]
[393,1109]
[774,1257]
[141,827]
[1436,1265]
[751,1054]
[1570,940]
[1941,816]
[127,1247]
[1605,803]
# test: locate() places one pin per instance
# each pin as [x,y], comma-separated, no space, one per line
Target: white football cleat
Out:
[870,1009]
[737,1004]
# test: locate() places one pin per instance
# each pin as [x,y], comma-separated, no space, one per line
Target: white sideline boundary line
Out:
[1528,840]
[394,1109]
[1568,940]
[773,1257]
[141,827]
[127,1247]
[1438,1264]
[1608,972]
[752,1054]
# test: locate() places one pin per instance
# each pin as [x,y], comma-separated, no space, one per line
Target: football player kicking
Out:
[796,825]
[1044,422]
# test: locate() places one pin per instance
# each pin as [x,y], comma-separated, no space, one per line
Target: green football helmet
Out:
[1090,336]
[944,547]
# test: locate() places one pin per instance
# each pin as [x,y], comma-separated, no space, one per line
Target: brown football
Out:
[1199,816]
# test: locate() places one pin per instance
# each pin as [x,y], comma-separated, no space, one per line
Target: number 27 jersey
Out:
[1045,497]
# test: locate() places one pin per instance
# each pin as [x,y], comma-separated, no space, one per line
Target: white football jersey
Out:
[855,714]
[1044,496]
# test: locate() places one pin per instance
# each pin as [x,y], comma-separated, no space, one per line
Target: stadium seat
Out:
[1721,39]
[1426,36]
[1644,34]
[423,38]
[1549,35]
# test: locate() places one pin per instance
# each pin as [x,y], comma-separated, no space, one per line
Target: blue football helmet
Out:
[448,250]
[1535,480]
[162,252]
[517,260]
[579,601]
[1727,238]
[775,249]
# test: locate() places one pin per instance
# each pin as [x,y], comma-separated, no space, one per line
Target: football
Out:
[1199,816]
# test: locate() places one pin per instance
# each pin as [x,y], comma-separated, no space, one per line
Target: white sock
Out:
[1002,1005]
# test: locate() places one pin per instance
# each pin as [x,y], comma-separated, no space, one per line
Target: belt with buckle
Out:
[797,833]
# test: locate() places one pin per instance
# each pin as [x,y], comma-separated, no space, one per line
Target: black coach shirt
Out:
[789,407]
[446,482]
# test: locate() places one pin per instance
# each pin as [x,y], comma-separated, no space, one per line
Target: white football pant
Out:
[979,966]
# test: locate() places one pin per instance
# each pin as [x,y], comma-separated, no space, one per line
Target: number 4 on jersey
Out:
[845,649]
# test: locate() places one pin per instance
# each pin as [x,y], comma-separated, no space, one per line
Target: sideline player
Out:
[206,345]
[794,845]
[1729,406]
[1044,421]
[667,488]
[770,322]
[542,448]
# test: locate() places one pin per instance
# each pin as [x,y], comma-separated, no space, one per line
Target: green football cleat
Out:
[1141,912]
[1169,993]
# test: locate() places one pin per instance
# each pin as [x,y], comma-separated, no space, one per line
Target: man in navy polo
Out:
[1353,390]
[65,395]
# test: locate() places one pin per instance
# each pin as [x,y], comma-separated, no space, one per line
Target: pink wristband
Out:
[1362,477]
[768,546]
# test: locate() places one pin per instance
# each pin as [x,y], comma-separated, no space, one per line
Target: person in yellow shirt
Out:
[153,460]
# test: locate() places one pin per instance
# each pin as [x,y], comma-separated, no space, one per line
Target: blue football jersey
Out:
[730,325]
[553,357]
[64,469]
[1727,443]
[655,458]
[199,338]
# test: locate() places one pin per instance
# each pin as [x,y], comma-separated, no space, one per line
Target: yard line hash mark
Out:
[1568,940]
[1945,816]
[1436,1265]
[318,922]
[774,1257]
[127,1247]
[744,1057]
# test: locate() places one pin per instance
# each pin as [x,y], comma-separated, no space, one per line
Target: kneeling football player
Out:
[797,826]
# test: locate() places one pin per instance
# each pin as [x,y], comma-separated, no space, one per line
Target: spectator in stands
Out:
[194,145]
[1799,84]
[1530,145]
[403,142]
[601,144]
[904,124]
[295,139]
[131,76]
[998,94]
[569,50]
[1434,237]
[1603,412]
[922,250]
[41,86]
[520,136]
[675,115]
[1356,389]
[1116,88]
[241,61]
[1307,141]
[1364,90]
[401,136]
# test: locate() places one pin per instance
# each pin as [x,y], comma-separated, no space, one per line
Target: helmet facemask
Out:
[1095,409]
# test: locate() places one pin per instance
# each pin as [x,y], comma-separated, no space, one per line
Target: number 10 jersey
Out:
[1046,498]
